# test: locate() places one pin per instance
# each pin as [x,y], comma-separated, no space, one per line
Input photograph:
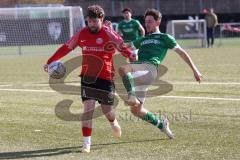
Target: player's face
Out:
[151,24]
[127,15]
[94,24]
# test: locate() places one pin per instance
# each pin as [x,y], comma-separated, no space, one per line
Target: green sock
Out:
[128,83]
[151,118]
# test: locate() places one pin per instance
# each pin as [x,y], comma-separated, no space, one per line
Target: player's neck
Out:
[127,20]
[156,31]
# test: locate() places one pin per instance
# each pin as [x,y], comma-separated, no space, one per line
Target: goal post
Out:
[188,33]
[38,29]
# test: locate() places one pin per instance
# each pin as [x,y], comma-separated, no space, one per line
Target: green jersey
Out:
[129,30]
[153,48]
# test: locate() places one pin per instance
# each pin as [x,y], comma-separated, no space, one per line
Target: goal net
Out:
[188,33]
[37,29]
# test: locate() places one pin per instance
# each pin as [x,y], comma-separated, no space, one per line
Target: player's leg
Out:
[143,79]
[161,123]
[212,37]
[126,74]
[87,90]
[109,113]
[107,101]
[134,76]
[208,36]
[89,106]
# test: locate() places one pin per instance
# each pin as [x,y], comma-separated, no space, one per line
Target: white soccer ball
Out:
[56,70]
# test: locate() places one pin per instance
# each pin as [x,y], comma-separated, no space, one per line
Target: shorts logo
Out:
[111,95]
[84,93]
[99,40]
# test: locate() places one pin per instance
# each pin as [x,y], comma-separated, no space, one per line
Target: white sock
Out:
[87,142]
[115,122]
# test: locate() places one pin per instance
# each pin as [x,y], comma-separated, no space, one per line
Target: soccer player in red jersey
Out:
[98,44]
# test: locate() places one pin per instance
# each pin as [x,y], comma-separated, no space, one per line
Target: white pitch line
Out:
[171,82]
[208,83]
[27,90]
[196,83]
[6,85]
[173,97]
[38,91]
[204,98]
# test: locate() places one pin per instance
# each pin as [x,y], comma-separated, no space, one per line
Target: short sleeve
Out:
[136,43]
[170,41]
[119,27]
[138,24]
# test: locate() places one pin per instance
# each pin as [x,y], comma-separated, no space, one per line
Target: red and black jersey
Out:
[97,51]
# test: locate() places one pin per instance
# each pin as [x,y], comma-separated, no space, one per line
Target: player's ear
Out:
[158,22]
[101,19]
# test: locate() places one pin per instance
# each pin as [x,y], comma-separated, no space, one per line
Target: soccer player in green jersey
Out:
[152,50]
[130,29]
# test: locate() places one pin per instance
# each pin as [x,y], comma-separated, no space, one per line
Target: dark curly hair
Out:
[153,12]
[127,10]
[95,11]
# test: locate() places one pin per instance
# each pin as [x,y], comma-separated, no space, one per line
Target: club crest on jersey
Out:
[54,30]
[99,40]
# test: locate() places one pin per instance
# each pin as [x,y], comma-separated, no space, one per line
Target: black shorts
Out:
[97,89]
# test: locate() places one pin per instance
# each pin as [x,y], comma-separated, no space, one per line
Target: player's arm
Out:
[141,29]
[184,55]
[119,30]
[63,50]
[119,44]
[172,44]
[134,45]
[216,20]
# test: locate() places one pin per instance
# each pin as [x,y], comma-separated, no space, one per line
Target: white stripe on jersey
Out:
[177,46]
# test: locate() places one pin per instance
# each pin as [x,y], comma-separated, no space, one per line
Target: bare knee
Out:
[135,110]
[123,70]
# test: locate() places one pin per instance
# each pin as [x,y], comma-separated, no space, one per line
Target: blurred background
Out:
[52,22]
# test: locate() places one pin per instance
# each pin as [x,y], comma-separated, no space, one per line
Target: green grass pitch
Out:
[205,118]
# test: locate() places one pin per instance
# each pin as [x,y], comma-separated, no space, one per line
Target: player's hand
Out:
[45,67]
[133,57]
[198,76]
[108,24]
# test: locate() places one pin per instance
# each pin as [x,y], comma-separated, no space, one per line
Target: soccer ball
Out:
[56,70]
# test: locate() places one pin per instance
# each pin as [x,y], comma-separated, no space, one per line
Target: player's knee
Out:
[122,71]
[110,115]
[135,110]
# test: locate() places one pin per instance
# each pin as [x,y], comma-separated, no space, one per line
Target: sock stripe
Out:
[86,131]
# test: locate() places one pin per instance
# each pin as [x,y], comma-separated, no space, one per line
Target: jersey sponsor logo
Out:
[157,36]
[128,30]
[54,30]
[99,40]
[150,41]
[95,49]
